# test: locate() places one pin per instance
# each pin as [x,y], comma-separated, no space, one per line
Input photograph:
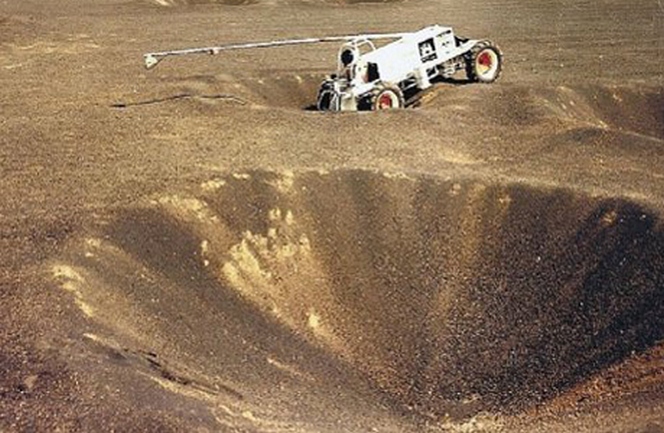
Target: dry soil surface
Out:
[192,248]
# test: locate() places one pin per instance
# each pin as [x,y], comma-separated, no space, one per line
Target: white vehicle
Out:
[376,78]
[370,78]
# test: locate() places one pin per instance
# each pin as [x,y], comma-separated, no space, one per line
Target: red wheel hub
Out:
[385,101]
[485,60]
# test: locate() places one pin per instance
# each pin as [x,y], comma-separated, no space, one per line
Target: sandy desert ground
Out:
[192,248]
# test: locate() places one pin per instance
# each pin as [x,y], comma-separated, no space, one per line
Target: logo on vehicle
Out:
[427,50]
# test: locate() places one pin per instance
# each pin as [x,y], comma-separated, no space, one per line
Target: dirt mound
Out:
[283,90]
[184,3]
[16,27]
[269,90]
[445,296]
[627,109]
[351,2]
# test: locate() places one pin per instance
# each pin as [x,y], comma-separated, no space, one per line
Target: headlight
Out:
[347,57]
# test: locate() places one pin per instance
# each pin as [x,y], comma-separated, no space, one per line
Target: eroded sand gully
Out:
[445,296]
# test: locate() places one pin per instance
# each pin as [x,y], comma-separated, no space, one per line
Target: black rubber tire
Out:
[386,96]
[323,99]
[325,96]
[484,62]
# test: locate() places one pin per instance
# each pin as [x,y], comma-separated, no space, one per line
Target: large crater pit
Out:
[441,295]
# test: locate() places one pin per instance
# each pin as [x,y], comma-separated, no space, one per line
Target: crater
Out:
[443,296]
[623,109]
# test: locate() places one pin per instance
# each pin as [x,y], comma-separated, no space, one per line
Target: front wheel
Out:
[328,99]
[386,97]
[484,62]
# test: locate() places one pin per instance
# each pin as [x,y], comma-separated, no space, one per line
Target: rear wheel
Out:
[386,97]
[484,62]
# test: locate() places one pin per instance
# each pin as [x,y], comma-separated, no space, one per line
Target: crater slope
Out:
[432,296]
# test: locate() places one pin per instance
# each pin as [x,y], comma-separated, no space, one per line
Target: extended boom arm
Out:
[152,59]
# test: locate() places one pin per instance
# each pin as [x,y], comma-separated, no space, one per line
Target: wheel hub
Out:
[486,62]
[385,101]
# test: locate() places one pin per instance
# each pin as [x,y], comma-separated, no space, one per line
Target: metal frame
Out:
[152,59]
